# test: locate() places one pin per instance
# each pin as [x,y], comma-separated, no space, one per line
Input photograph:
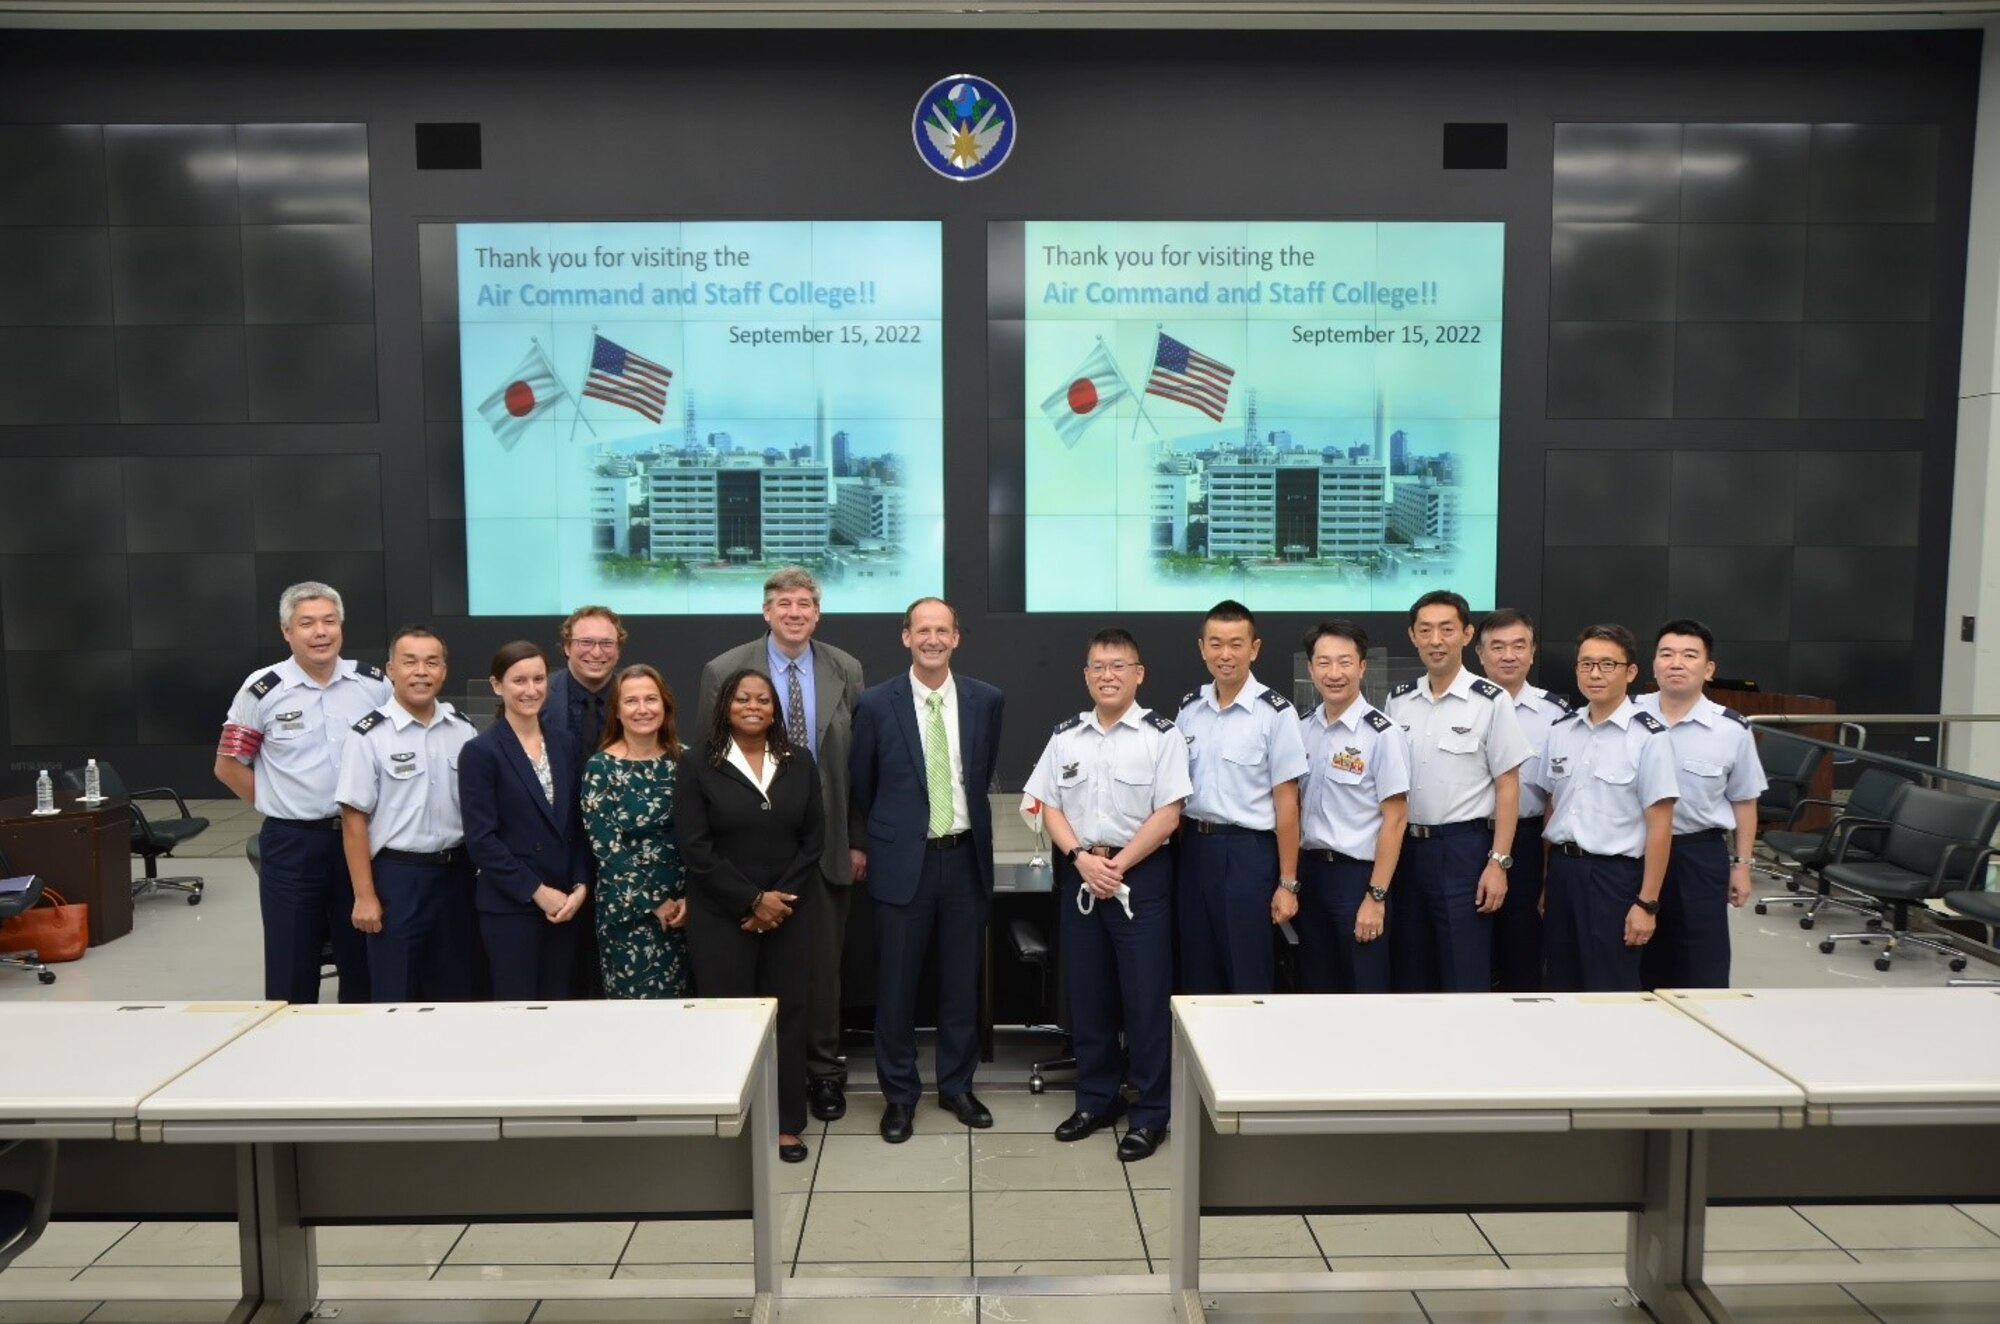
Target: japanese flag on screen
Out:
[1086,396]
[528,393]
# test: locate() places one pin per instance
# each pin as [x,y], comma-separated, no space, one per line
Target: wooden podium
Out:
[84,852]
[1752,702]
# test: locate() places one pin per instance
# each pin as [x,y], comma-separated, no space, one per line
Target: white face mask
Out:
[1086,901]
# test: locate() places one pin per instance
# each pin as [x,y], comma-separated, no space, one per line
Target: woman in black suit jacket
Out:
[748,812]
[517,792]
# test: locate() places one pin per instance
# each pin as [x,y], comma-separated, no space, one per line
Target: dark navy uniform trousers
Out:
[1588,898]
[1517,928]
[1330,894]
[1439,941]
[1224,881]
[1121,977]
[307,901]
[428,943]
[1690,948]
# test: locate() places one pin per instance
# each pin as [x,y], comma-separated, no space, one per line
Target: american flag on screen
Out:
[1190,377]
[632,381]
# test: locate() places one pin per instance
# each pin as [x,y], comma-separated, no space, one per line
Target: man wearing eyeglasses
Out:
[1608,771]
[592,639]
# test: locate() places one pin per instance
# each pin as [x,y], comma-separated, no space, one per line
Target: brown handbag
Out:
[53,929]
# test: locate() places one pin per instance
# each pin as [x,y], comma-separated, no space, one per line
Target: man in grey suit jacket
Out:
[817,685]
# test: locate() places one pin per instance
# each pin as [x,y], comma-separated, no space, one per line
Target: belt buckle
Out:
[1420,831]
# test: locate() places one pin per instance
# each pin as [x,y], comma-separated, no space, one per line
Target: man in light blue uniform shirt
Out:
[1715,818]
[1239,839]
[1466,750]
[1111,782]
[1608,771]
[1505,645]
[1353,815]
[280,750]
[404,835]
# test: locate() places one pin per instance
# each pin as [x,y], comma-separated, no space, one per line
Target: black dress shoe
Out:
[1080,1123]
[967,1108]
[1140,1142]
[793,1153]
[896,1120]
[829,1100]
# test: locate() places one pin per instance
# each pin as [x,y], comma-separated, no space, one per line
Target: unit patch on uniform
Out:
[1349,760]
[1069,772]
[1559,766]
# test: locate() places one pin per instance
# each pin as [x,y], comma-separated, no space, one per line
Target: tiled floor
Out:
[953,1202]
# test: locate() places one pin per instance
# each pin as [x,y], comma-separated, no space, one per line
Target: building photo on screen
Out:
[1313,408]
[658,414]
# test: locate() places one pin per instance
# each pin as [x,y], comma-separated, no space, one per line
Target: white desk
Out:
[1555,1100]
[1902,1089]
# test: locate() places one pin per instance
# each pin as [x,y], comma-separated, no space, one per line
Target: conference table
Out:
[1661,1105]
[289,1117]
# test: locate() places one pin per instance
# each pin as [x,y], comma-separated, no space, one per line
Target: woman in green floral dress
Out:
[628,810]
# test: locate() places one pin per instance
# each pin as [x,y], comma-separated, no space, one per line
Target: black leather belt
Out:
[1106,852]
[1325,856]
[1705,834]
[949,841]
[1205,827]
[1428,831]
[1577,852]
[434,857]
[316,824]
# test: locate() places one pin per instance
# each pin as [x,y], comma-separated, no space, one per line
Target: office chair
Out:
[1863,819]
[151,837]
[1984,906]
[1937,842]
[24,1214]
[1790,766]
[27,960]
[1031,948]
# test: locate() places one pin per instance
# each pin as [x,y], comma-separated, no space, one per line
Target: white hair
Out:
[289,600]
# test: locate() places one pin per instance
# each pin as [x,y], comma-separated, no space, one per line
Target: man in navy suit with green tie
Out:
[922,830]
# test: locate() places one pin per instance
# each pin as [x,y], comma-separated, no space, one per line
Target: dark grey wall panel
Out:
[56,276]
[1863,370]
[171,174]
[1736,370]
[78,699]
[1741,273]
[1874,172]
[206,598]
[58,603]
[319,503]
[1611,369]
[1612,272]
[1593,585]
[1742,593]
[307,273]
[1876,674]
[358,578]
[177,274]
[54,174]
[1870,273]
[1744,172]
[56,375]
[1853,593]
[312,374]
[191,503]
[1732,498]
[1618,172]
[61,504]
[182,374]
[178,699]
[1848,498]
[303,174]
[1600,498]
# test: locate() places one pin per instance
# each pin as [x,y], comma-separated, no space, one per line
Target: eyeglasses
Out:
[1600,666]
[595,645]
[1107,668]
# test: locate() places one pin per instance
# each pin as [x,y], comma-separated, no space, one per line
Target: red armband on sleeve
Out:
[239,742]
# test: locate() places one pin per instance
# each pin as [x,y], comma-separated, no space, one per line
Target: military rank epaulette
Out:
[1380,722]
[1559,701]
[1276,700]
[265,683]
[1485,689]
[1736,717]
[1066,723]
[1189,697]
[1160,722]
[369,723]
[1650,722]
[370,670]
[1566,717]
[1407,687]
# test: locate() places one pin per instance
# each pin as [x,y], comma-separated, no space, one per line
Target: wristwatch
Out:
[1504,861]
[1650,907]
[1378,894]
[1073,852]
[1290,885]
[1735,860]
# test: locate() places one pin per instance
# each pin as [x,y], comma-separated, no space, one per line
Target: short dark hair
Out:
[1229,609]
[1502,618]
[1113,637]
[417,632]
[1338,629]
[1613,634]
[1443,597]
[509,656]
[775,740]
[909,612]
[1692,628]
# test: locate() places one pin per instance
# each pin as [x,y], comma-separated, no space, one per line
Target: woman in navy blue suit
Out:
[517,792]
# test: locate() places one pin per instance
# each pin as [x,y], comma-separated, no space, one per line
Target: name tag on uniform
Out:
[293,721]
[1559,766]
[402,767]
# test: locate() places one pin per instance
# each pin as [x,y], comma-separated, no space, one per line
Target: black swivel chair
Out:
[24,1213]
[1790,766]
[1863,820]
[1937,842]
[26,960]
[152,838]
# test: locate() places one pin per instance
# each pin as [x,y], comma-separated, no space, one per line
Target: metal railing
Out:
[1927,774]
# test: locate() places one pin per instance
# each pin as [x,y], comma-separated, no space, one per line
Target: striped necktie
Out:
[937,765]
[795,709]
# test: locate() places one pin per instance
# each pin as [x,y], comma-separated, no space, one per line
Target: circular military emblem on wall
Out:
[964,127]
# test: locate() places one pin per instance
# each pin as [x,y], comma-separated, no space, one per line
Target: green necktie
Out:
[937,765]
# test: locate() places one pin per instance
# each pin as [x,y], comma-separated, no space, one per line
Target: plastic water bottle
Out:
[93,782]
[45,794]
